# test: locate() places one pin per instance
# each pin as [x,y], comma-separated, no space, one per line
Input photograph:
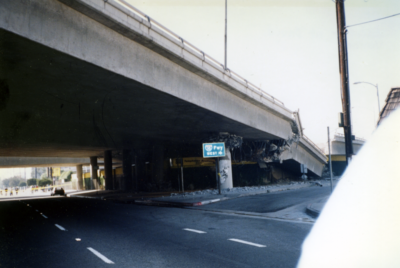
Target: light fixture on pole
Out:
[377,92]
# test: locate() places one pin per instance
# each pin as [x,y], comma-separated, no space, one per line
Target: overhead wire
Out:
[373,20]
[335,1]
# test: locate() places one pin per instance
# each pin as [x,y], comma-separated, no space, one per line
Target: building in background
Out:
[392,102]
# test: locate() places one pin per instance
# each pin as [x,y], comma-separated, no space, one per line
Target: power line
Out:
[373,20]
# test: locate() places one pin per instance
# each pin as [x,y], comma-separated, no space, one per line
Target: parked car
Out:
[57,191]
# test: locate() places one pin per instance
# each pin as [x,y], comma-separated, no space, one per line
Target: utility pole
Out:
[344,77]
[226,31]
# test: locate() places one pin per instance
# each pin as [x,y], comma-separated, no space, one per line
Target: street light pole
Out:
[226,31]
[377,93]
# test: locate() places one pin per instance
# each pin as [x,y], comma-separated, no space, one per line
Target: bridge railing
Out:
[200,53]
[312,143]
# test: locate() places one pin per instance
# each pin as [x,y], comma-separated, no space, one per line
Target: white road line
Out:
[60,227]
[195,231]
[101,256]
[44,216]
[248,243]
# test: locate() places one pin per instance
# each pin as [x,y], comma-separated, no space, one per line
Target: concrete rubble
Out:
[250,189]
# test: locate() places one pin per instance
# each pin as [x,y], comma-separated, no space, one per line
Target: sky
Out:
[289,49]
[24,173]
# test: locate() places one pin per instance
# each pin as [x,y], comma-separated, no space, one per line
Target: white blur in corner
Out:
[360,224]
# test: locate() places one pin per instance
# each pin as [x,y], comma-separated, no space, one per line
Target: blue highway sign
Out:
[214,149]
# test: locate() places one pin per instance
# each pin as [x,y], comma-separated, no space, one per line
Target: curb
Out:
[78,195]
[82,196]
[92,197]
[206,202]
[150,202]
[314,209]
[312,212]
[180,204]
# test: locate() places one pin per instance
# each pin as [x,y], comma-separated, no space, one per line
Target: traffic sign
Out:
[216,149]
[56,172]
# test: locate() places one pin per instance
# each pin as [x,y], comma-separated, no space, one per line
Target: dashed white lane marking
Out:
[45,217]
[248,243]
[194,231]
[101,256]
[60,227]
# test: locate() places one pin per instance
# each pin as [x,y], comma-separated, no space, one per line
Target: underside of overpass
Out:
[55,105]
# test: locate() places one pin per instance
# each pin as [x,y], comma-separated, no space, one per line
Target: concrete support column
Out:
[93,173]
[79,175]
[108,170]
[115,185]
[140,173]
[50,170]
[50,174]
[127,170]
[157,167]
[225,170]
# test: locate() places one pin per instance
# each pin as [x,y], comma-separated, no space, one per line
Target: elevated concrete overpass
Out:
[338,152]
[94,78]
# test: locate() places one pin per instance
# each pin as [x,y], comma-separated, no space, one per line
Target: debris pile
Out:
[245,189]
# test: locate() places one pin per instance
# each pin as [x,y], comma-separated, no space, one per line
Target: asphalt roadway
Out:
[271,202]
[43,233]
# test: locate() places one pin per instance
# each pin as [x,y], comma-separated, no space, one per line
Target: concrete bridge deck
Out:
[83,76]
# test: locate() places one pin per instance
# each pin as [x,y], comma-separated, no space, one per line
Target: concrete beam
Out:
[19,162]
[305,153]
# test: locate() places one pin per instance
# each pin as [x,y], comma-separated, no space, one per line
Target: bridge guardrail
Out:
[200,53]
[312,143]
